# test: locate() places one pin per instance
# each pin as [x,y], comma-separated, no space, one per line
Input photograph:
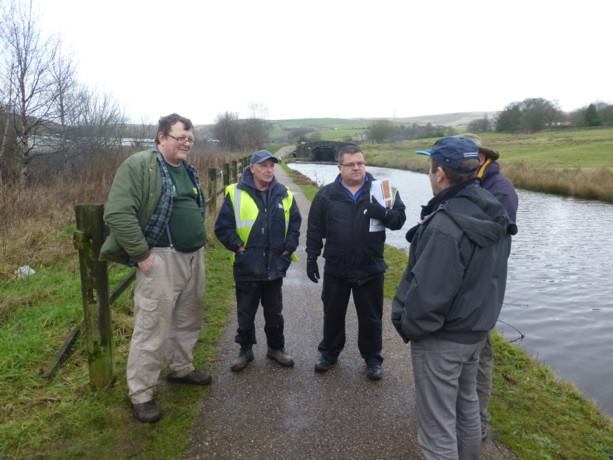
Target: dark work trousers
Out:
[248,297]
[368,299]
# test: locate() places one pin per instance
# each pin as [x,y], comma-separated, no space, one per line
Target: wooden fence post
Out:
[226,175]
[88,239]
[212,190]
[234,171]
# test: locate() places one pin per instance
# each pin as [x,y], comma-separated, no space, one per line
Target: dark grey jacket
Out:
[454,284]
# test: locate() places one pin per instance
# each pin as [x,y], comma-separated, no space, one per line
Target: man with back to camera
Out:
[259,222]
[502,188]
[155,213]
[341,215]
[450,297]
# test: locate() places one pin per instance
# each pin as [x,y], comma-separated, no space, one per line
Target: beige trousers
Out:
[168,306]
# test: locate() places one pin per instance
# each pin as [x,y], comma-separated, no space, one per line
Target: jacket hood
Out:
[479,214]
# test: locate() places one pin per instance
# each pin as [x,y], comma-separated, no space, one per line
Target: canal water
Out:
[560,285]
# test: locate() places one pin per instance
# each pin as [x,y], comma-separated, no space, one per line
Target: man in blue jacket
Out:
[450,297]
[342,214]
[259,222]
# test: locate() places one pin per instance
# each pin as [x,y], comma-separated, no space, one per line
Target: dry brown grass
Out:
[36,222]
[590,184]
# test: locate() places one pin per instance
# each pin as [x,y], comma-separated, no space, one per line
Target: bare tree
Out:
[480,125]
[379,131]
[227,130]
[254,133]
[98,124]
[65,84]
[27,73]
[255,129]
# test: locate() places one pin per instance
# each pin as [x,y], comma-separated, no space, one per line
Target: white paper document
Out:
[381,190]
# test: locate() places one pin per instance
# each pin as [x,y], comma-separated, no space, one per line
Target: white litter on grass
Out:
[24,270]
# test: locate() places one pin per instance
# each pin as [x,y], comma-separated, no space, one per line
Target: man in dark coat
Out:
[259,222]
[450,297]
[353,227]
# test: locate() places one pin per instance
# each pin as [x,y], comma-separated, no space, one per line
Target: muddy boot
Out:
[244,358]
[281,357]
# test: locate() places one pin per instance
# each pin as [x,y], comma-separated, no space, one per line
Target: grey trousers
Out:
[484,382]
[167,320]
[445,374]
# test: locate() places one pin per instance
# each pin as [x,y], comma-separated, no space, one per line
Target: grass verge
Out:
[63,417]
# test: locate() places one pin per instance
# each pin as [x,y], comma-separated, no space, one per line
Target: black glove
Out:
[312,270]
[375,210]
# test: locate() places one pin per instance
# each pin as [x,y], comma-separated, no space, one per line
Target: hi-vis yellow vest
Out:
[246,211]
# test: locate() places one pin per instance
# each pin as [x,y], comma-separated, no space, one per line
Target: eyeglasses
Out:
[182,139]
[359,164]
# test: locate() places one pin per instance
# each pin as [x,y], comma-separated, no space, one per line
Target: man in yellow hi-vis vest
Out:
[259,222]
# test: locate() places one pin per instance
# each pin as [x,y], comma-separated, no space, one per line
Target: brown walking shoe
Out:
[195,377]
[146,412]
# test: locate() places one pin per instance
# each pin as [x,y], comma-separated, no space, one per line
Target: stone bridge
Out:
[320,151]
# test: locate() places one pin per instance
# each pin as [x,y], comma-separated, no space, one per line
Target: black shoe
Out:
[243,360]
[374,371]
[195,377]
[324,364]
[281,357]
[146,412]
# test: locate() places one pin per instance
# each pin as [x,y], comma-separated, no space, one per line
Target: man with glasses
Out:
[341,215]
[155,213]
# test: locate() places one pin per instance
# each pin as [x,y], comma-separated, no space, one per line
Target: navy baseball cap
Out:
[453,152]
[261,156]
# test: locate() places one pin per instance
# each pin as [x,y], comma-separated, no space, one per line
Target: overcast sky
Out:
[335,58]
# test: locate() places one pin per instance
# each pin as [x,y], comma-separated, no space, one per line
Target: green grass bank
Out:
[63,417]
[577,162]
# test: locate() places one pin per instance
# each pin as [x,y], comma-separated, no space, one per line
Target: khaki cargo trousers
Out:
[167,320]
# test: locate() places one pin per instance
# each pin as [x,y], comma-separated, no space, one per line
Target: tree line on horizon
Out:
[527,116]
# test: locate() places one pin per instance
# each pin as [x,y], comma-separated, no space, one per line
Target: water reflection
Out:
[559,286]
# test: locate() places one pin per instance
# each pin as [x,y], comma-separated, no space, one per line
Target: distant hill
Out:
[353,128]
[456,120]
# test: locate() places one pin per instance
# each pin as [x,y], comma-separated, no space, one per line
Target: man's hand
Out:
[146,265]
[375,210]
[312,270]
